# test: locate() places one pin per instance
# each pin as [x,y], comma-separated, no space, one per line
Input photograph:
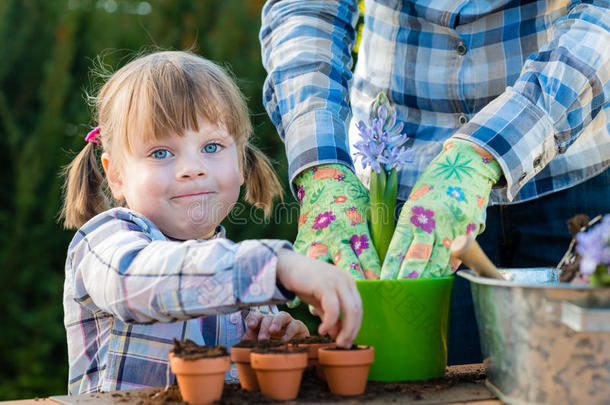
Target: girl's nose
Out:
[191,166]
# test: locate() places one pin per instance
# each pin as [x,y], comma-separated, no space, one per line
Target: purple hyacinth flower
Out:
[382,143]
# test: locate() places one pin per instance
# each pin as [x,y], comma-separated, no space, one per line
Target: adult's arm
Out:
[306,50]
[561,89]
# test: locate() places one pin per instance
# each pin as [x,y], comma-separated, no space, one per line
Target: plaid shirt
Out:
[528,81]
[129,290]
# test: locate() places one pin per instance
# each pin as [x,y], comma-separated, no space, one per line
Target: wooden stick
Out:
[466,249]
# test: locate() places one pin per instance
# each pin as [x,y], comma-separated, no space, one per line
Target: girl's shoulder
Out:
[118,220]
[133,220]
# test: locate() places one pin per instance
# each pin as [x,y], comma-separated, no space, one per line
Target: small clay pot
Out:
[247,377]
[200,381]
[346,370]
[279,373]
[312,355]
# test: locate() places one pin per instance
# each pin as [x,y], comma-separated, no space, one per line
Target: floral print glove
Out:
[332,223]
[449,199]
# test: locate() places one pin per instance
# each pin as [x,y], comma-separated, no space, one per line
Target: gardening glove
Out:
[449,199]
[332,221]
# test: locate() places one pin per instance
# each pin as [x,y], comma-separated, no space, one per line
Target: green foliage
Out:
[48,48]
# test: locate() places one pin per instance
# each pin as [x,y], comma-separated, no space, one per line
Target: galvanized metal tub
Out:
[543,341]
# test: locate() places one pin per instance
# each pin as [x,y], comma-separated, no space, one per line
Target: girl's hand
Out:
[280,326]
[329,289]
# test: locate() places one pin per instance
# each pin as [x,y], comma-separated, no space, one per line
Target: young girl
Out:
[173,134]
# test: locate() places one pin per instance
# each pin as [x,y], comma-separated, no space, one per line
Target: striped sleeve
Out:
[119,269]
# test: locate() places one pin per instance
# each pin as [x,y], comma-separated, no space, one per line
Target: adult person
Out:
[526,83]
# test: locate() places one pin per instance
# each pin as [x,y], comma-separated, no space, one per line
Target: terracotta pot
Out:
[279,374]
[200,381]
[247,377]
[312,355]
[346,370]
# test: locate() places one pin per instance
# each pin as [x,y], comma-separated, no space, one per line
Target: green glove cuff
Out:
[465,172]
[331,174]
[470,154]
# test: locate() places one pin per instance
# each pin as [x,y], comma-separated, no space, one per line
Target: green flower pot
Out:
[407,322]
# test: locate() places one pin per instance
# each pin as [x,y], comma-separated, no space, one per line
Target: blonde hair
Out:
[152,96]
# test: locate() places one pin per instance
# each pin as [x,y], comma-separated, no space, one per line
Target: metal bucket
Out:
[544,342]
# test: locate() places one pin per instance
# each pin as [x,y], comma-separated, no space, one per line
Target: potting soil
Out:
[314,390]
[189,350]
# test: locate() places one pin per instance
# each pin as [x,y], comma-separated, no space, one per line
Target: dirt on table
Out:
[162,396]
[189,350]
[314,390]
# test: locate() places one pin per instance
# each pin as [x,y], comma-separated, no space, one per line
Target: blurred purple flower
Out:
[594,246]
[382,144]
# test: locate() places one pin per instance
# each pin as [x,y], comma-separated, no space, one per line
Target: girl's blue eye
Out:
[160,154]
[212,147]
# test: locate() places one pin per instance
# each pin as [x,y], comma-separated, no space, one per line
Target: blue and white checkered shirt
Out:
[528,81]
[129,290]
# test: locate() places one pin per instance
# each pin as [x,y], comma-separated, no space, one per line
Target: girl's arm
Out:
[116,266]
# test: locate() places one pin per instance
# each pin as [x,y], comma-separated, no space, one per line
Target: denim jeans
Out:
[529,234]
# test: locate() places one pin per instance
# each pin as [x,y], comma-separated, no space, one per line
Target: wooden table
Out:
[454,388]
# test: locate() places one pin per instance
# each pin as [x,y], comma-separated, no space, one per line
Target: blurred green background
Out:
[47,49]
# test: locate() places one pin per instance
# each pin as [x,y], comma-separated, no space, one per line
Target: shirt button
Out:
[235,318]
[537,161]
[523,176]
[461,49]
[462,119]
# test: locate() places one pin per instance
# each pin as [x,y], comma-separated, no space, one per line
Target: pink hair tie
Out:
[92,136]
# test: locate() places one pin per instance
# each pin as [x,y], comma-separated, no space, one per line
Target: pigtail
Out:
[83,189]
[262,184]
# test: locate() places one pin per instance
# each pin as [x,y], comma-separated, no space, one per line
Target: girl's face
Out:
[186,184]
